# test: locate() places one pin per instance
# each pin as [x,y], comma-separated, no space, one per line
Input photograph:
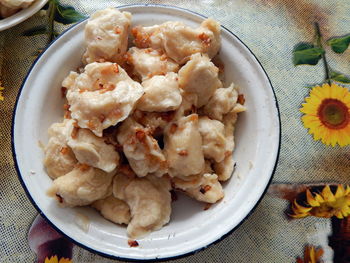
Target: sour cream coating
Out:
[162,94]
[113,209]
[180,41]
[101,96]
[148,62]
[81,186]
[199,76]
[141,149]
[183,147]
[149,200]
[106,36]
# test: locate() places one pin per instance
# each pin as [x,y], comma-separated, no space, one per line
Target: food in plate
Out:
[142,120]
[10,7]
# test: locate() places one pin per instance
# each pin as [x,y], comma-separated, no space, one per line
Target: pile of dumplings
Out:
[143,121]
[10,7]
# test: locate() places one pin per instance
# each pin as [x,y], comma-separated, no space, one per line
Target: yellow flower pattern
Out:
[324,204]
[327,114]
[54,259]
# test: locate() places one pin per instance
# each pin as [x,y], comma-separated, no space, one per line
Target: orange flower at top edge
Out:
[311,255]
[327,114]
[54,259]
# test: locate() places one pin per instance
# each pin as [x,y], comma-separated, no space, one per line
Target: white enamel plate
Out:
[39,104]
[21,15]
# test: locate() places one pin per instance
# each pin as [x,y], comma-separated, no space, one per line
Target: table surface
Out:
[271,29]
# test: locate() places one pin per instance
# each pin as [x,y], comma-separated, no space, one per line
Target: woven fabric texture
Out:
[270,28]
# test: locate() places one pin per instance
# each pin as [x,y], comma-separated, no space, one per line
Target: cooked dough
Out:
[199,76]
[7,11]
[225,167]
[183,147]
[141,149]
[203,187]
[101,96]
[154,120]
[82,186]
[59,158]
[113,209]
[106,36]
[187,107]
[222,102]
[162,94]
[93,151]
[180,41]
[214,140]
[16,3]
[149,200]
[148,62]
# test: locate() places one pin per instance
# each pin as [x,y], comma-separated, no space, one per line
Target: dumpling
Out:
[141,149]
[113,209]
[199,76]
[102,96]
[155,121]
[213,136]
[7,11]
[203,187]
[162,94]
[106,36]
[149,200]
[224,168]
[93,151]
[16,4]
[148,62]
[82,186]
[187,107]
[180,41]
[59,158]
[222,102]
[183,147]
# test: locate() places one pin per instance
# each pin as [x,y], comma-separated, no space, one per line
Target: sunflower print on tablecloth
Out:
[327,114]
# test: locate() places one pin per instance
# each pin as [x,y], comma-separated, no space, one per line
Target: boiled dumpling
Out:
[102,96]
[180,41]
[146,63]
[113,209]
[106,36]
[199,76]
[222,102]
[213,136]
[162,94]
[149,200]
[59,158]
[82,186]
[93,151]
[183,147]
[141,149]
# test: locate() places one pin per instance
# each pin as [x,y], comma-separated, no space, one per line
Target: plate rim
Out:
[156,259]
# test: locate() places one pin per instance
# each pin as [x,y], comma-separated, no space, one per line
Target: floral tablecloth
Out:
[282,34]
